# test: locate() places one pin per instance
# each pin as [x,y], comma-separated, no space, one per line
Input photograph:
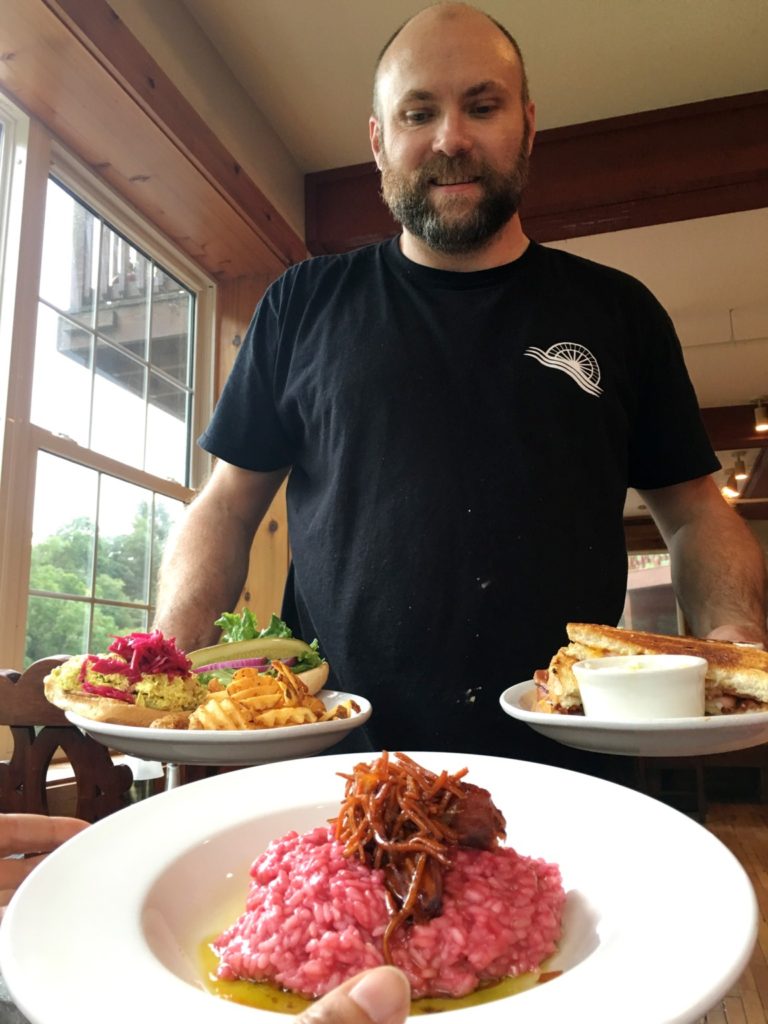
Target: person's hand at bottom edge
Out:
[381,995]
[24,840]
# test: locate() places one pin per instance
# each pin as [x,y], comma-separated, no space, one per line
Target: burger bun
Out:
[101,709]
[315,678]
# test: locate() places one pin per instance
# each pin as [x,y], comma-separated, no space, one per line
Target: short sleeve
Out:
[668,441]
[245,429]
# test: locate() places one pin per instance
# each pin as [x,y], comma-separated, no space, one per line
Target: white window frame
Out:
[39,155]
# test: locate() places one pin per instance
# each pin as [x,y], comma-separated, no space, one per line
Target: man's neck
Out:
[505,247]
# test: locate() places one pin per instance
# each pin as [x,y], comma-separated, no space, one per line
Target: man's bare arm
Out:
[206,559]
[718,567]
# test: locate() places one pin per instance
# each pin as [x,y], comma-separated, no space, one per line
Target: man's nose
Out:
[452,135]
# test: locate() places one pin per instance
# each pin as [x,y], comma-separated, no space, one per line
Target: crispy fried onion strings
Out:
[399,817]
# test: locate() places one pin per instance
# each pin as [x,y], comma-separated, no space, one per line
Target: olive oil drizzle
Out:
[266,996]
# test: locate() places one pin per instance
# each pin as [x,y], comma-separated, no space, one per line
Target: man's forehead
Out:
[458,50]
[406,80]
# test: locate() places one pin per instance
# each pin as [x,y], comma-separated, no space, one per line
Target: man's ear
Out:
[374,133]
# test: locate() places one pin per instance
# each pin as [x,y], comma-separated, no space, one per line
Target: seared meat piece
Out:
[429,901]
[475,818]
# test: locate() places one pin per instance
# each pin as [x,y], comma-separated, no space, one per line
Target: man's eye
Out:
[416,116]
[484,109]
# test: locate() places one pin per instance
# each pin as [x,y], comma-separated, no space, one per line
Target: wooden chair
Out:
[39,729]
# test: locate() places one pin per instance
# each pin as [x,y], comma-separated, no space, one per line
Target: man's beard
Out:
[455,228]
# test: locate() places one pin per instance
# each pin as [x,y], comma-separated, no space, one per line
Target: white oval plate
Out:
[663,737]
[228,748]
[127,903]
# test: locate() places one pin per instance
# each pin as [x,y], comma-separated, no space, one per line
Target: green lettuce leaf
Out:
[244,626]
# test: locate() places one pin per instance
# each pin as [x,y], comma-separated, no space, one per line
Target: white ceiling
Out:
[307,66]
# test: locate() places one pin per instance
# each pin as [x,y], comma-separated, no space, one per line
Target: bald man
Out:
[461,412]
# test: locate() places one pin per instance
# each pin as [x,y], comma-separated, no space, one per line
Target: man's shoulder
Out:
[589,273]
[336,264]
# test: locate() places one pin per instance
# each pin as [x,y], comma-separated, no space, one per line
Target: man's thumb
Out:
[378,996]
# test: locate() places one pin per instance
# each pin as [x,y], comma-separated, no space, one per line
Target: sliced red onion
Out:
[239,663]
[109,691]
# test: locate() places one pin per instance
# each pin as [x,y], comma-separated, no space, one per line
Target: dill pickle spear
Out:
[261,647]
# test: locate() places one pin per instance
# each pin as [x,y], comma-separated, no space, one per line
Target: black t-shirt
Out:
[461,446]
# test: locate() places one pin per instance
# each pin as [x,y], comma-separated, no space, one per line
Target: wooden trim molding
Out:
[655,167]
[74,66]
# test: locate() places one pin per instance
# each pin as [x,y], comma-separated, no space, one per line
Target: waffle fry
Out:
[224,713]
[254,700]
[285,716]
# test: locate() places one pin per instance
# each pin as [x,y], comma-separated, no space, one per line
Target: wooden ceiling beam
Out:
[733,427]
[75,67]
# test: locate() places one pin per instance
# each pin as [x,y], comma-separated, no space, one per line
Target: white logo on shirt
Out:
[575,360]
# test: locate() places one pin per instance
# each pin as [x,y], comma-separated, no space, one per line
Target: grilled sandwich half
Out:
[736,680]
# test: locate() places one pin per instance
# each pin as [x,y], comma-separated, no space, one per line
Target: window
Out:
[650,602]
[109,384]
[114,341]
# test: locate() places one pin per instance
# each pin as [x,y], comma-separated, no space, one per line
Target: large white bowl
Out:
[109,926]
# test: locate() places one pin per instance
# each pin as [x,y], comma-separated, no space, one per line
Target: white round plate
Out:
[230,748]
[663,737]
[110,925]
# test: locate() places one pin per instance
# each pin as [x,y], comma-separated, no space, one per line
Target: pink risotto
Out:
[315,917]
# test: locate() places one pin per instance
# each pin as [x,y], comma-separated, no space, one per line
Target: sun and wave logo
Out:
[575,360]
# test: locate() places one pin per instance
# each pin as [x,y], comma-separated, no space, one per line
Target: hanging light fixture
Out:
[731,487]
[761,416]
[739,468]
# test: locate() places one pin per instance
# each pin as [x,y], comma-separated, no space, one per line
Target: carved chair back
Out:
[39,729]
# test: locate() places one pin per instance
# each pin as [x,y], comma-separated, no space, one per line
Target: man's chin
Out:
[451,241]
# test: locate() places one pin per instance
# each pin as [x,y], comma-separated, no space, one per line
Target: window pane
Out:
[56,626]
[110,621]
[70,256]
[61,386]
[118,406]
[63,526]
[167,432]
[650,601]
[123,303]
[99,355]
[78,510]
[125,522]
[171,327]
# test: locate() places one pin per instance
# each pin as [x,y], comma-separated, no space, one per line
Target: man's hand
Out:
[25,839]
[379,996]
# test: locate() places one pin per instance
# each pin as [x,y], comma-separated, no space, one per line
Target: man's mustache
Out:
[450,169]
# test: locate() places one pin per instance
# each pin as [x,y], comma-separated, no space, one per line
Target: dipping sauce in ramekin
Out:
[641,687]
